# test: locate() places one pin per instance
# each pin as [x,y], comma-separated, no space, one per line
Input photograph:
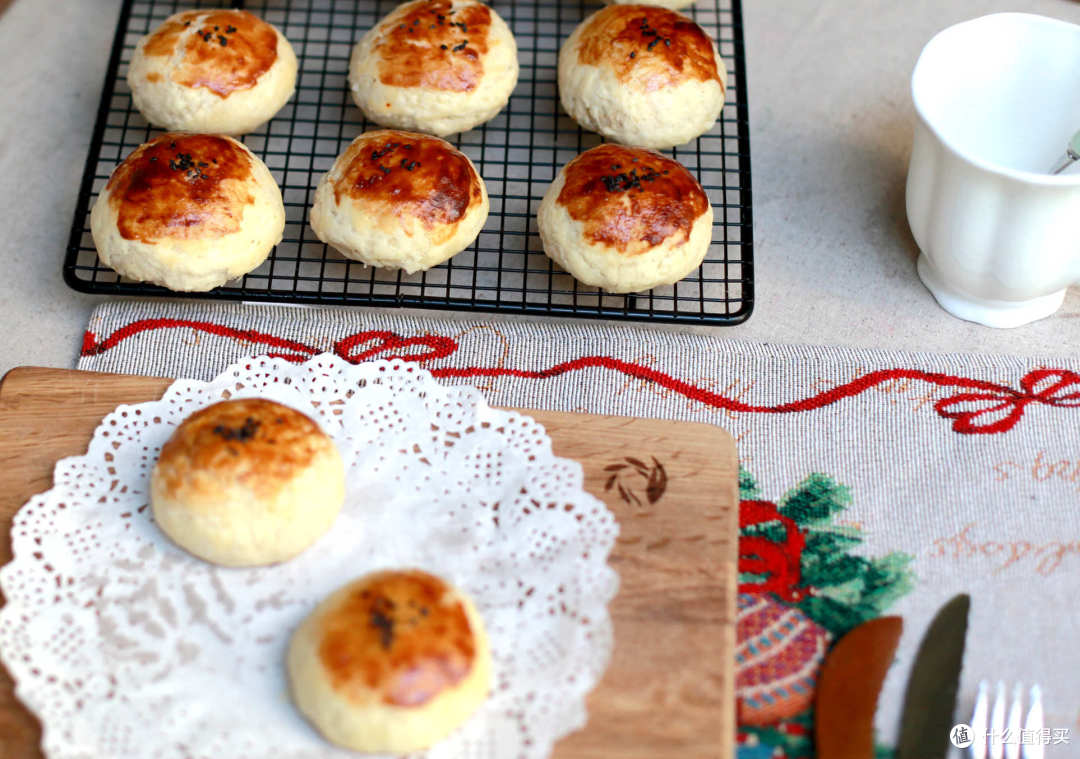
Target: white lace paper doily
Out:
[126,646]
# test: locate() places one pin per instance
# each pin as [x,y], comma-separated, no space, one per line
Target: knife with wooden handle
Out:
[848,688]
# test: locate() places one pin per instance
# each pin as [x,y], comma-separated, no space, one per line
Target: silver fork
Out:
[998,735]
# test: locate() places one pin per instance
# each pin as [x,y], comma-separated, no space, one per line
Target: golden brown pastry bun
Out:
[642,75]
[188,212]
[247,482]
[392,662]
[438,66]
[625,219]
[400,200]
[220,71]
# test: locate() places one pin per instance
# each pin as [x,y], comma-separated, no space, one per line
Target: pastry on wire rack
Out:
[391,663]
[220,71]
[436,66]
[247,482]
[400,200]
[625,219]
[642,75]
[188,212]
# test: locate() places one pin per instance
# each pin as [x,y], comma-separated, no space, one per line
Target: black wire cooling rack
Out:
[518,153]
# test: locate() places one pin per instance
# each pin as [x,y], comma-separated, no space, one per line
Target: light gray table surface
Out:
[831,124]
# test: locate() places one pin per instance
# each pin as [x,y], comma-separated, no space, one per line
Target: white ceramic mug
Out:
[998,99]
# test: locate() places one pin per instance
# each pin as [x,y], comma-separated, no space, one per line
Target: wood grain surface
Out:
[669,691]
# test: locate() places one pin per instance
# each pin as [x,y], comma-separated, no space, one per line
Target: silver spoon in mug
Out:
[1072,155]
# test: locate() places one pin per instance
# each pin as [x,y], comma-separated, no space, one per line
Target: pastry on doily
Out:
[392,662]
[224,71]
[438,66]
[642,75]
[247,482]
[400,200]
[625,219]
[188,212]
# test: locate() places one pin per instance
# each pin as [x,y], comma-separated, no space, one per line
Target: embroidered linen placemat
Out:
[872,481]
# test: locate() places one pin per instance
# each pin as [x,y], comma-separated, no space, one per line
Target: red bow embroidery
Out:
[780,564]
[358,347]
[999,410]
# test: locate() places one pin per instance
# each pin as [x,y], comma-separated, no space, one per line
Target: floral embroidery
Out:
[800,589]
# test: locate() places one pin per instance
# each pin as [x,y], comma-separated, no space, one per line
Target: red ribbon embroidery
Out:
[984,408]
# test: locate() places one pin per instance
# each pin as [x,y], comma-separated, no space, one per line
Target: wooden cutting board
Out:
[669,691]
